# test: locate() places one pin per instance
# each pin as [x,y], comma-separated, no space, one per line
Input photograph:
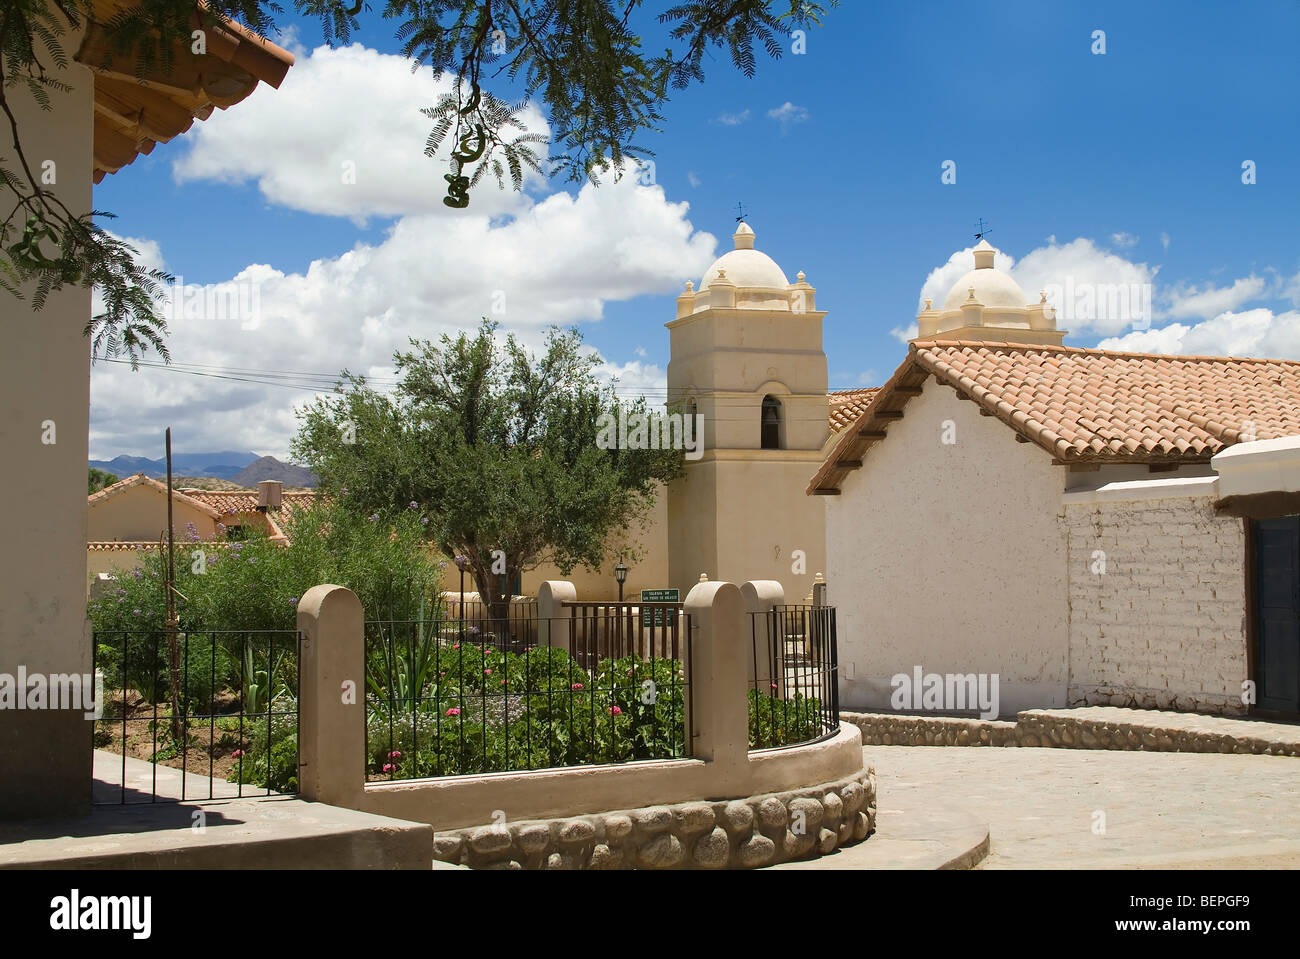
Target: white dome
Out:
[993,288]
[751,268]
[746,266]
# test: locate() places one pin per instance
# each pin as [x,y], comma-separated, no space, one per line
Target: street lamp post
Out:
[620,574]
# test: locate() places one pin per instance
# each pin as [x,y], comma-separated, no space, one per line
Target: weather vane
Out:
[983,228]
[740,209]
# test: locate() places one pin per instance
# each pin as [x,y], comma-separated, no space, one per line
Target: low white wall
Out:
[1157,597]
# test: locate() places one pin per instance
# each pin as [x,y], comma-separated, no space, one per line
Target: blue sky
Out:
[1124,165]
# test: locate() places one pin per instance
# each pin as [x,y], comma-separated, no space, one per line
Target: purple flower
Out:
[413,505]
[135,612]
[121,592]
[424,521]
[137,574]
[442,564]
[293,600]
[374,517]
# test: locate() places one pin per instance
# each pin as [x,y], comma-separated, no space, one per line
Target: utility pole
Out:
[173,643]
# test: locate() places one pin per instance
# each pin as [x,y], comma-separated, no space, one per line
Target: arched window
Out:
[771,423]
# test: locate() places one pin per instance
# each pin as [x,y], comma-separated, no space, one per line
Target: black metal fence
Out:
[203,714]
[793,676]
[440,705]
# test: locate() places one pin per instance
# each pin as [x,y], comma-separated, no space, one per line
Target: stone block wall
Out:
[738,834]
[1157,607]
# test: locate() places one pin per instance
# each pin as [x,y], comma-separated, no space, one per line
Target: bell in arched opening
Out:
[771,436]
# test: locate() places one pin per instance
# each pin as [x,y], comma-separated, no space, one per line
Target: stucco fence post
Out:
[761,597]
[332,697]
[553,626]
[719,656]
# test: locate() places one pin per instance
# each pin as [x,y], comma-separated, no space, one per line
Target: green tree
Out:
[497,447]
[98,479]
[586,64]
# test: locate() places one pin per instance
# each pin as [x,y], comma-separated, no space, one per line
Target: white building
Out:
[1091,526]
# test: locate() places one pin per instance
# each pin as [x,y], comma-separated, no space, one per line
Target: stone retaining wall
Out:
[741,833]
[1161,732]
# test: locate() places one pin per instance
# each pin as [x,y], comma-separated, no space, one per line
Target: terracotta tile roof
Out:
[1090,405]
[245,501]
[847,405]
[135,113]
[139,479]
[115,545]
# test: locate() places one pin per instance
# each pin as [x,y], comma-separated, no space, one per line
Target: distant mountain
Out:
[223,465]
[270,468]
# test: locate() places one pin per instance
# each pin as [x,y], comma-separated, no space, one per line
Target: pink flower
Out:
[615,711]
[774,685]
[455,645]
[453,711]
[487,672]
[503,682]
[395,754]
[576,686]
[389,768]
[236,754]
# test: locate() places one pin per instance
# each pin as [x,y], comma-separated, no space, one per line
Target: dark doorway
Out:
[1277,610]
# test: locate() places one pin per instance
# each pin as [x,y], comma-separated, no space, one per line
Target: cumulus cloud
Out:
[1258,332]
[788,114]
[343,136]
[557,262]
[1123,240]
[1210,301]
[732,119]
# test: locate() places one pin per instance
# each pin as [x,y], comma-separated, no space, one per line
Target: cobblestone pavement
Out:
[1161,810]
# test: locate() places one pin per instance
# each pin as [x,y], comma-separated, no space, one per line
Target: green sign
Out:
[657,596]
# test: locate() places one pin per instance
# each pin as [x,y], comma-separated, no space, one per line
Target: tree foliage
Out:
[585,62]
[496,446]
[96,480]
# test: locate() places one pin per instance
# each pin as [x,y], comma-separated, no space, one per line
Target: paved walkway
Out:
[1161,810]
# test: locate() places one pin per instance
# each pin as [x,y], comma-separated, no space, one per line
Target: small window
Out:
[771,423]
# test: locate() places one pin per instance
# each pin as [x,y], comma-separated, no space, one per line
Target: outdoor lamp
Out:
[620,574]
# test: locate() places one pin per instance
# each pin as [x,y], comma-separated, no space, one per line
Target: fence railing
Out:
[212,715]
[440,705]
[794,676]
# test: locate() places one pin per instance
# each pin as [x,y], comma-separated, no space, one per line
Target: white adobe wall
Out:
[950,557]
[1164,626]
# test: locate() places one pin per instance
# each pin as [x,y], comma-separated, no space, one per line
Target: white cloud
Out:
[1211,301]
[556,262]
[1123,240]
[1258,332]
[732,119]
[693,178]
[905,334]
[350,105]
[787,114]
[641,352]
[1164,240]
[1083,271]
